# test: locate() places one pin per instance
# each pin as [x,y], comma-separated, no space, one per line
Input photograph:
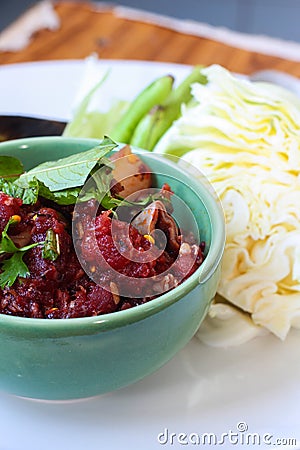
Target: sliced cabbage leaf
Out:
[226,326]
[245,138]
[91,122]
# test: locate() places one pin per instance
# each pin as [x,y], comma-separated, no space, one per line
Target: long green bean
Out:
[153,94]
[156,122]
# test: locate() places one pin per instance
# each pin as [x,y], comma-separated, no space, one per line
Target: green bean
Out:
[154,93]
[154,124]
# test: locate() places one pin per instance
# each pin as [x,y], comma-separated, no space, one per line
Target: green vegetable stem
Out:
[51,250]
[153,94]
[154,124]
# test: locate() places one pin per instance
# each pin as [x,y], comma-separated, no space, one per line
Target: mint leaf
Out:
[68,172]
[31,193]
[28,195]
[60,181]
[64,197]
[10,167]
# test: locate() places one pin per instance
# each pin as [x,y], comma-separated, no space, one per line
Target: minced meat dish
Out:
[59,261]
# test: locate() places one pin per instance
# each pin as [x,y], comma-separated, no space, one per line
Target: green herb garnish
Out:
[69,172]
[60,181]
[51,250]
[28,195]
[14,266]
[10,167]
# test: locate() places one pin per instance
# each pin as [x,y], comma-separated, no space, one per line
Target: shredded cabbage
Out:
[245,137]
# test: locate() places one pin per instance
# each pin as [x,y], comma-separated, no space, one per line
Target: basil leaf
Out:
[68,172]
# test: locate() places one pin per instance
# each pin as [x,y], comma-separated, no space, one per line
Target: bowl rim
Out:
[135,314]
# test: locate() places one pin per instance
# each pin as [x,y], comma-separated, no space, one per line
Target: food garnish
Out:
[14,266]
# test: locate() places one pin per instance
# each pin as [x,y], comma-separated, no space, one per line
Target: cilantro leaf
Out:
[13,268]
[6,244]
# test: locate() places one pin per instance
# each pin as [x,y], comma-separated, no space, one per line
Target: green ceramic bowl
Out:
[65,359]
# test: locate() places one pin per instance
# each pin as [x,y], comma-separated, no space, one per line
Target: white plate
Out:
[49,88]
[245,394]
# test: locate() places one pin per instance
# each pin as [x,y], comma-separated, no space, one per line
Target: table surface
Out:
[84,30]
